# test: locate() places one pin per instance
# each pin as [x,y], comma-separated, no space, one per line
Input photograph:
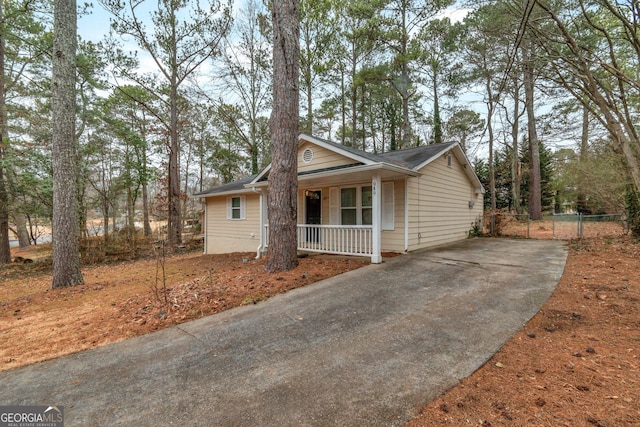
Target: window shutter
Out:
[334,206]
[388,206]
[243,205]
[229,203]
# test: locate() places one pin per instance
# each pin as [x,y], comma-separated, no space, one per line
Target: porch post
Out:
[376,205]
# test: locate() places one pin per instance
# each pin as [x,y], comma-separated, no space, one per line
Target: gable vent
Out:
[307,155]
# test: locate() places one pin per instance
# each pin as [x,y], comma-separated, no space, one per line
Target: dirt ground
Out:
[574,364]
[124,300]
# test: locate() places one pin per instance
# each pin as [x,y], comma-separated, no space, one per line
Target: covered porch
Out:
[343,211]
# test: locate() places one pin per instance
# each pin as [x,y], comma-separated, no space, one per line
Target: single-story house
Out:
[354,202]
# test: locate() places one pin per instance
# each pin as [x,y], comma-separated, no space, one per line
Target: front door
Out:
[313,200]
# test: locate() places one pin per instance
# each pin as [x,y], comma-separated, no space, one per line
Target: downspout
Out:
[204,227]
[406,214]
[260,246]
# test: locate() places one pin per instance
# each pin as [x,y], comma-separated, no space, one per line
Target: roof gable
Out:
[313,157]
[354,154]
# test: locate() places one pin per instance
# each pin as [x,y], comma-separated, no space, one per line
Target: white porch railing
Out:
[334,239]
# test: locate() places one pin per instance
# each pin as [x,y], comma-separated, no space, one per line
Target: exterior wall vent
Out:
[307,155]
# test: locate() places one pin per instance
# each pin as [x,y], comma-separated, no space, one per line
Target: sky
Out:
[95,26]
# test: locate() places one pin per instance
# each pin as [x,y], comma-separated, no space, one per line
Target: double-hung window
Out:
[236,208]
[348,206]
[366,213]
[356,206]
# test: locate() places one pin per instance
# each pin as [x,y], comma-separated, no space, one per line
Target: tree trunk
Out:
[309,126]
[32,230]
[5,250]
[131,212]
[174,226]
[492,171]
[105,219]
[354,98]
[283,179]
[581,204]
[66,248]
[145,186]
[535,190]
[145,209]
[21,230]
[516,178]
[437,123]
[407,132]
[343,109]
[187,168]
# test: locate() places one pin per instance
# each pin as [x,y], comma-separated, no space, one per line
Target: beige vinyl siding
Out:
[439,210]
[226,235]
[393,240]
[322,158]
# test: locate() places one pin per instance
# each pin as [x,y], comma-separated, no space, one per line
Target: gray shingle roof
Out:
[413,157]
[232,186]
[408,158]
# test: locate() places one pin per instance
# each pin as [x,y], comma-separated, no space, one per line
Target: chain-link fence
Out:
[569,226]
[508,225]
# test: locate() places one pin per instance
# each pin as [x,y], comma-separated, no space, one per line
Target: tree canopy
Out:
[177,97]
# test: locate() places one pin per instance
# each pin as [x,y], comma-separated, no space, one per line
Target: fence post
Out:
[580,225]
[528,226]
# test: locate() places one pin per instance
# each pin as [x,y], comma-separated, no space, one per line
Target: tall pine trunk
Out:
[283,177]
[343,109]
[5,250]
[407,131]
[516,177]
[535,185]
[174,226]
[437,122]
[492,167]
[66,248]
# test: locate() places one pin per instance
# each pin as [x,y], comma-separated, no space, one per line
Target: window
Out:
[348,206]
[356,206]
[235,207]
[367,211]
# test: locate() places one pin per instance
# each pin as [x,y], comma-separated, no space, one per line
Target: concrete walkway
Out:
[366,348]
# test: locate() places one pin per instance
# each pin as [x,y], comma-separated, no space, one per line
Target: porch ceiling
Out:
[346,178]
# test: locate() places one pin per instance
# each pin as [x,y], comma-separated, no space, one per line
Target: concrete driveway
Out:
[366,348]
